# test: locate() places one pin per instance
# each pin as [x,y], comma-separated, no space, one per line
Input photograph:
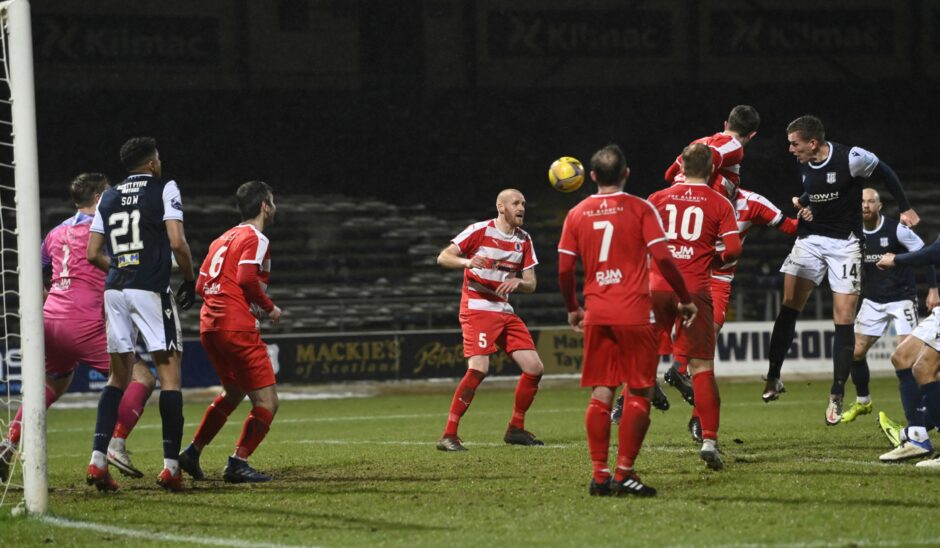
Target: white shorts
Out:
[129,312]
[813,256]
[873,318]
[928,330]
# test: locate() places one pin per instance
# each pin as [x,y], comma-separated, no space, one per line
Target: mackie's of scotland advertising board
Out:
[313,359]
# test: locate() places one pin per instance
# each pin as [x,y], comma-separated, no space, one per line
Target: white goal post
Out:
[19,73]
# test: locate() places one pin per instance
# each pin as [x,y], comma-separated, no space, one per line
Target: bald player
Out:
[497,258]
[888,296]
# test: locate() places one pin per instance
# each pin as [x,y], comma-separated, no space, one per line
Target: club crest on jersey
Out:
[518,247]
[884,241]
[610,276]
[830,177]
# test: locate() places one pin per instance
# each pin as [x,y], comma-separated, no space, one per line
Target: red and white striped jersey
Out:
[507,256]
[750,208]
[727,154]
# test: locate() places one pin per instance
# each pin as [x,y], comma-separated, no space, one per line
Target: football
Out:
[566,174]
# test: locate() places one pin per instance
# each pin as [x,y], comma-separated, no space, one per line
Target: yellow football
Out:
[566,174]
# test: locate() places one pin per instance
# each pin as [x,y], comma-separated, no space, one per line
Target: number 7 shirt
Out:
[225,304]
[611,234]
[695,218]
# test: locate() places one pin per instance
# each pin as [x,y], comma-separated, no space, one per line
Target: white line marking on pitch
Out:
[150,535]
[424,416]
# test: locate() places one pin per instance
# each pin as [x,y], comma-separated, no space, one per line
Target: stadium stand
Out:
[344,264]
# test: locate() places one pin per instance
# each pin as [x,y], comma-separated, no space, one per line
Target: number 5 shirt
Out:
[131,217]
[225,305]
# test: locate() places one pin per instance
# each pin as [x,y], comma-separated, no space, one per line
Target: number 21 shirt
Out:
[131,217]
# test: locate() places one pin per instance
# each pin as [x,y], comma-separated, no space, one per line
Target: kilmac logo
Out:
[610,276]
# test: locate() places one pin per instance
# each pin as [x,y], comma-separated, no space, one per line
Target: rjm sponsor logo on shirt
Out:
[610,276]
[213,289]
[682,251]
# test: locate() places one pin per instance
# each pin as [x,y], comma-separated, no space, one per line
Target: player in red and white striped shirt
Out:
[498,259]
[727,148]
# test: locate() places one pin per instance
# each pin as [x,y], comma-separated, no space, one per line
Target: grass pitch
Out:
[363,471]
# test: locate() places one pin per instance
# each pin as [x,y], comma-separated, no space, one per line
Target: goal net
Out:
[22,367]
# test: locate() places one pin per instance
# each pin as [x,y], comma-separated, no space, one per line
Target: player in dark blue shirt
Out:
[138,224]
[921,353]
[827,245]
[888,296]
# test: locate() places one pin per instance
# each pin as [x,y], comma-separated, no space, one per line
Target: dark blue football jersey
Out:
[893,284]
[131,217]
[834,188]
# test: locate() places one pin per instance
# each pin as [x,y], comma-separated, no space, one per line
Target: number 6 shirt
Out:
[695,217]
[225,305]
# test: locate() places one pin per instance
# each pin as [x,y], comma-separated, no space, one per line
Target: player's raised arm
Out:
[865,164]
[912,242]
[928,255]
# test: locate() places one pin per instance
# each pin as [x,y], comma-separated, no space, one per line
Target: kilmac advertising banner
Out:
[741,350]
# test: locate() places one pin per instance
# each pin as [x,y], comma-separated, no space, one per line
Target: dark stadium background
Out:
[443,103]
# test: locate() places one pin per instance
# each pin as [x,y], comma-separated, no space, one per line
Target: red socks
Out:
[462,398]
[707,402]
[525,393]
[16,425]
[132,407]
[213,421]
[253,432]
[597,423]
[634,423]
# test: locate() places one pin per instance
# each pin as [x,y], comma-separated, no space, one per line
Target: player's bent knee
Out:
[479,363]
[927,366]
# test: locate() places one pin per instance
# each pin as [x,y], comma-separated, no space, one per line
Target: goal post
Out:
[19,60]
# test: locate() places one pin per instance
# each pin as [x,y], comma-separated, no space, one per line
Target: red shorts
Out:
[239,358]
[69,342]
[696,340]
[484,331]
[618,354]
[721,295]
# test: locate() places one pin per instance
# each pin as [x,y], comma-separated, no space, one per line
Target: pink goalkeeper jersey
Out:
[77,289]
